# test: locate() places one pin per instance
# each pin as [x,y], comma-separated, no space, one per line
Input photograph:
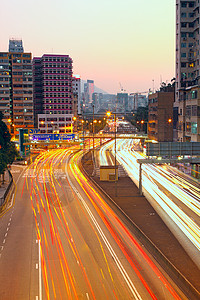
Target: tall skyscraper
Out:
[88,90]
[16,90]
[187,98]
[53,92]
[122,102]
[15,45]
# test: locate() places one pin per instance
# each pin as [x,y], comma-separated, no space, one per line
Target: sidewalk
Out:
[145,217]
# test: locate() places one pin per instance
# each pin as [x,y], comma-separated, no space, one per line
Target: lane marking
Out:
[36,266]
[40,273]
[87,296]
[6,234]
[4,241]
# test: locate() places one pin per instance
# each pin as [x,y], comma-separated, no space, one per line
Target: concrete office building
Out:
[122,102]
[160,118]
[16,90]
[53,93]
[187,96]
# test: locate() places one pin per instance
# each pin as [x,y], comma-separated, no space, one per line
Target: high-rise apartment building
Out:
[76,85]
[16,90]
[187,98]
[53,92]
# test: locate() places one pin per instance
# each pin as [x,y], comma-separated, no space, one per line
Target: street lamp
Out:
[82,121]
[108,115]
[9,122]
[74,119]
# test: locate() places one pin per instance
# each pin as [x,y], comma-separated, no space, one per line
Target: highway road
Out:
[175,196]
[60,240]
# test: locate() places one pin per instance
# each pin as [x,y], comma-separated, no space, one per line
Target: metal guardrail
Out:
[3,199]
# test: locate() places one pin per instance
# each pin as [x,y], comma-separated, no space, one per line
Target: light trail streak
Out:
[153,175]
[83,182]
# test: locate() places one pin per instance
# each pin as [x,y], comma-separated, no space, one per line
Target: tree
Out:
[4,134]
[8,151]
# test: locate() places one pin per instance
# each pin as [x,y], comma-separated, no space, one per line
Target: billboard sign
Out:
[173,149]
[53,137]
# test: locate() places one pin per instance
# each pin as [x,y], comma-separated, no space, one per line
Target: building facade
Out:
[187,96]
[160,118]
[53,92]
[122,104]
[15,46]
[76,85]
[139,101]
[88,90]
[16,90]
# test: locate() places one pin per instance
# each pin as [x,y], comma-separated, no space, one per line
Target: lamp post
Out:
[9,121]
[93,126]
[82,121]
[74,127]
[109,114]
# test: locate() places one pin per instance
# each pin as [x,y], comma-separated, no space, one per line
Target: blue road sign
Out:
[52,137]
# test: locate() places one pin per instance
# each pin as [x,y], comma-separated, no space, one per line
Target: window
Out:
[183,54]
[194,127]
[190,45]
[194,110]
[191,25]
[183,65]
[191,34]
[183,15]
[183,24]
[191,4]
[183,34]
[191,15]
[183,45]
[183,4]
[194,94]
[188,126]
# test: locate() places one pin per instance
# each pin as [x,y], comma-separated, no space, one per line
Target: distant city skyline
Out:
[111,42]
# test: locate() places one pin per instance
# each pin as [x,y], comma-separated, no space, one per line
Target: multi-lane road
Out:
[60,240]
[174,195]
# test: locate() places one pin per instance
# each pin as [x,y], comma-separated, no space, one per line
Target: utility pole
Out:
[93,126]
[115,155]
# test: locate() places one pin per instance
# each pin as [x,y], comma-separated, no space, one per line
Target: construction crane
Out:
[122,90]
[139,93]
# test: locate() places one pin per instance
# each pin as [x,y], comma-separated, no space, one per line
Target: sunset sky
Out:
[110,41]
